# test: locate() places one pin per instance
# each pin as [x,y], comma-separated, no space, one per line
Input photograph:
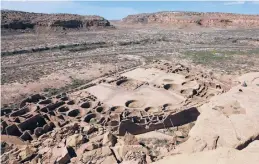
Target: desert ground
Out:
[128,91]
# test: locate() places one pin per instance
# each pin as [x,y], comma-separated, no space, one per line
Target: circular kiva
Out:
[189,84]
[171,86]
[89,116]
[99,109]
[65,98]
[151,109]
[169,107]
[63,109]
[71,102]
[117,109]
[189,92]
[134,104]
[86,104]
[74,113]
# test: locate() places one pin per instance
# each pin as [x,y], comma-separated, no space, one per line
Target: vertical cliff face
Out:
[196,18]
[24,20]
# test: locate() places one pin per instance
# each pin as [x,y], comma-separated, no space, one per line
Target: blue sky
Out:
[118,10]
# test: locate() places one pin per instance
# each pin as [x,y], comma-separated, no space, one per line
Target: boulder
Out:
[178,134]
[97,139]
[87,147]
[109,139]
[74,140]
[91,146]
[101,155]
[47,142]
[130,139]
[26,153]
[129,152]
[59,154]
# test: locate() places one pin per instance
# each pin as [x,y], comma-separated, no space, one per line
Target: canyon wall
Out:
[18,20]
[195,18]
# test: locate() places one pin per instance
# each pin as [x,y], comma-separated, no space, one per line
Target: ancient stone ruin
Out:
[108,111]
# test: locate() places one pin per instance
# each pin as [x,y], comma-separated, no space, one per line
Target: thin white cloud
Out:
[235,3]
[69,7]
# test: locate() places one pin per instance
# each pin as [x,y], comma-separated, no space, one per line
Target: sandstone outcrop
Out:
[19,20]
[220,155]
[233,123]
[195,18]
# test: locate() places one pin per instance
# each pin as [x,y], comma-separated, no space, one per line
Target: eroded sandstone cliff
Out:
[19,20]
[195,18]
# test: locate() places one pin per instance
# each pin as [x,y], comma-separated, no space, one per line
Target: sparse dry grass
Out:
[217,50]
[229,61]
